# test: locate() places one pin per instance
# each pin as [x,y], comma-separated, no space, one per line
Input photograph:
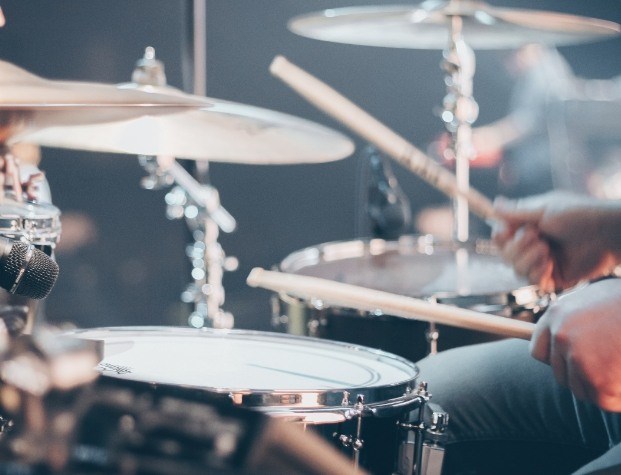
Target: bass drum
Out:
[352,395]
[469,275]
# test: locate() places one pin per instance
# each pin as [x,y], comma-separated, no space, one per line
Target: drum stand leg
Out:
[422,452]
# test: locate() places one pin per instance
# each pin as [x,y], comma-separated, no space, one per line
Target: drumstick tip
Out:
[277,63]
[254,278]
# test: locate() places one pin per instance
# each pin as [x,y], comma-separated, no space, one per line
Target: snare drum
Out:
[332,387]
[469,275]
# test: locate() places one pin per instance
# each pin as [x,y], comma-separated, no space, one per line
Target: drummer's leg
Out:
[507,414]
[610,462]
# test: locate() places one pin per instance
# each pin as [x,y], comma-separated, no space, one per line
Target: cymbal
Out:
[225,132]
[29,102]
[426,26]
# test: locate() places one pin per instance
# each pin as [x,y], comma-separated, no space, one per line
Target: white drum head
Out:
[281,369]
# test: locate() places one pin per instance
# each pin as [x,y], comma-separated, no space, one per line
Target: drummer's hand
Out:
[579,337]
[557,239]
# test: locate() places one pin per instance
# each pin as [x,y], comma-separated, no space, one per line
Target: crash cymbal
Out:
[225,132]
[29,102]
[426,26]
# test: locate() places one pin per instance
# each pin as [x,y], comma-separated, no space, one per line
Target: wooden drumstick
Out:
[360,298]
[336,105]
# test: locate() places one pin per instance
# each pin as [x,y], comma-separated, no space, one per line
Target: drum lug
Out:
[353,442]
[349,441]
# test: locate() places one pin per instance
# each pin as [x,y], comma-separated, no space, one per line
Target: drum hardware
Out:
[460,112]
[353,442]
[200,205]
[422,451]
[433,448]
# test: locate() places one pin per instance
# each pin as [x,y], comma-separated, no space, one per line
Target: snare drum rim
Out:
[314,400]
[524,296]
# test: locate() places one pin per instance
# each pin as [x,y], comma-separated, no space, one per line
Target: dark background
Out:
[133,269]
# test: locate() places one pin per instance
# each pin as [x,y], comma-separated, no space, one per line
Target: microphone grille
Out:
[12,265]
[40,274]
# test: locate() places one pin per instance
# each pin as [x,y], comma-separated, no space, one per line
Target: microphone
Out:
[25,270]
[388,208]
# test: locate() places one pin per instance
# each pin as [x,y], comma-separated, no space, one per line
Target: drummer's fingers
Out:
[522,242]
[519,212]
[534,262]
[546,282]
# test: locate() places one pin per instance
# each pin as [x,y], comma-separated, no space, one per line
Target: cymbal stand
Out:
[200,205]
[460,112]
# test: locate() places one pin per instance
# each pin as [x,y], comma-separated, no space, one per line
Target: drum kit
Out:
[216,400]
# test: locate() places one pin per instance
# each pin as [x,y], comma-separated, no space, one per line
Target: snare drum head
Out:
[282,369]
[416,266]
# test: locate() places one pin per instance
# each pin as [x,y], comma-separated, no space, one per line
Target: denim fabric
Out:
[508,415]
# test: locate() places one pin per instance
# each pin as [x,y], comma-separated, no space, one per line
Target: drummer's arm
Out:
[559,239]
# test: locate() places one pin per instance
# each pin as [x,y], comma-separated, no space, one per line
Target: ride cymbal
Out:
[427,26]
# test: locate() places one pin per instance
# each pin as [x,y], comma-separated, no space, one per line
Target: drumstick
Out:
[352,296]
[345,111]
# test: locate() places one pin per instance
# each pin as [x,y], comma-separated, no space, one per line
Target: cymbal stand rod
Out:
[460,111]
[208,258]
[208,289]
[200,205]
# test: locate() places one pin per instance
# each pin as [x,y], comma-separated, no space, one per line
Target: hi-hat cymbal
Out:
[426,26]
[225,132]
[29,102]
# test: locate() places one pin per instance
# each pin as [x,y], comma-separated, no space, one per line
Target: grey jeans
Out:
[508,415]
